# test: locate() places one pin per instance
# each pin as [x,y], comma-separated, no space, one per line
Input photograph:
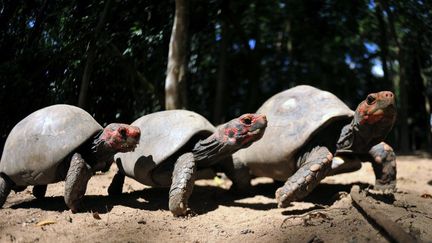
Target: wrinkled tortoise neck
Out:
[100,153]
[210,150]
[346,141]
[359,138]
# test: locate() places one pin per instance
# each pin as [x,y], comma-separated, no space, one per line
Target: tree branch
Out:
[91,54]
[392,229]
[175,87]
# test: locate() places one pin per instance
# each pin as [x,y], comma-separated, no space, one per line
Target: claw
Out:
[177,207]
[284,199]
[386,188]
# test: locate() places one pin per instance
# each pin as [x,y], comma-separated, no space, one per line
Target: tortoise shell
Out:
[294,115]
[162,135]
[40,142]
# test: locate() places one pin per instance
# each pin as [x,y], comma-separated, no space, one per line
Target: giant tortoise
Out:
[307,126]
[60,142]
[176,145]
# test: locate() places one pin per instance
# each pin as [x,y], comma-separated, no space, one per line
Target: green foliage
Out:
[272,45]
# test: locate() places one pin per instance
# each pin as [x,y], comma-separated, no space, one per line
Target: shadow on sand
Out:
[203,200]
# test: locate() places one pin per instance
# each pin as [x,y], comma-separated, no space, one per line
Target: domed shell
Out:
[293,116]
[38,143]
[162,134]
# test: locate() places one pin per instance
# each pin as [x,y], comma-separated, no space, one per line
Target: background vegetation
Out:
[111,56]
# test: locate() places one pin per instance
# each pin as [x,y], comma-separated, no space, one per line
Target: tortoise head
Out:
[376,115]
[242,131]
[121,137]
[377,108]
[230,137]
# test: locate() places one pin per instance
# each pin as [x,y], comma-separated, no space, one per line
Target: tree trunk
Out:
[427,104]
[383,42]
[175,82]
[91,54]
[221,78]
[403,114]
[400,82]
[130,68]
[255,60]
[424,102]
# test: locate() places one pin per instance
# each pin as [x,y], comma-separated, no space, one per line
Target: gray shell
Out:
[162,134]
[41,141]
[293,116]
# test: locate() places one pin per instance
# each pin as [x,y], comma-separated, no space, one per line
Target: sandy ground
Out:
[141,213]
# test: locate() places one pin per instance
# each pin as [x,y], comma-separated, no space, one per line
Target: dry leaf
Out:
[96,216]
[45,222]
[218,181]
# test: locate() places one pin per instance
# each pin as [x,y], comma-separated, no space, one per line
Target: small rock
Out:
[142,222]
[315,239]
[246,231]
[11,237]
[45,222]
[96,216]
[31,220]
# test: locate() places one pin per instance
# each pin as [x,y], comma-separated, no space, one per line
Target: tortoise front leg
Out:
[18,188]
[183,179]
[39,191]
[384,165]
[77,177]
[116,186]
[5,188]
[238,173]
[314,166]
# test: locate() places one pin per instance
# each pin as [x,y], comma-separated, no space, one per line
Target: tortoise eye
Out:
[370,99]
[247,121]
[231,133]
[123,132]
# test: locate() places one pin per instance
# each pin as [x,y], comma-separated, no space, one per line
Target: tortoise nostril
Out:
[388,94]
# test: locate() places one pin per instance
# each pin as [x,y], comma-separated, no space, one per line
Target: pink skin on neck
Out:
[245,136]
[376,112]
[114,139]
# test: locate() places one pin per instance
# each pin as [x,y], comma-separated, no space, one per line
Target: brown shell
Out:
[38,143]
[162,134]
[293,116]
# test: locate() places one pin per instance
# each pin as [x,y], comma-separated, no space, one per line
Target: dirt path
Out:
[141,214]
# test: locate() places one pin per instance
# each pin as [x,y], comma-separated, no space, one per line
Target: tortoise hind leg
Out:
[384,166]
[239,175]
[77,177]
[5,188]
[39,191]
[17,189]
[183,179]
[116,186]
[314,166]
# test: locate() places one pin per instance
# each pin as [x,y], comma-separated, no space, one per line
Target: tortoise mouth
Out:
[258,129]
[252,136]
[255,132]
[129,146]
